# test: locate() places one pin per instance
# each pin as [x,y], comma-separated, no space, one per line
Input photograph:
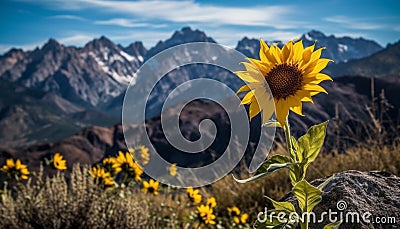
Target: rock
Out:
[374,193]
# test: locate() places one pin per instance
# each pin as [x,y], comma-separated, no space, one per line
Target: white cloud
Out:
[396,28]
[78,39]
[188,12]
[148,37]
[353,23]
[68,17]
[123,22]
[230,37]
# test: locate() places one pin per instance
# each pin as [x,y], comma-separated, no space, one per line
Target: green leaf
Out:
[296,173]
[310,144]
[295,147]
[275,159]
[275,163]
[334,225]
[287,206]
[325,183]
[307,149]
[307,195]
[272,168]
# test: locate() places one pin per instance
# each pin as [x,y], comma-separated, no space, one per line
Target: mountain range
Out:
[346,107]
[63,89]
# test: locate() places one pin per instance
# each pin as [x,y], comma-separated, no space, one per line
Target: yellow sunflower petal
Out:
[307,54]
[263,67]
[298,50]
[308,67]
[321,64]
[249,77]
[316,79]
[247,98]
[254,109]
[314,88]
[286,51]
[271,56]
[263,49]
[298,109]
[266,114]
[282,111]
[10,163]
[316,54]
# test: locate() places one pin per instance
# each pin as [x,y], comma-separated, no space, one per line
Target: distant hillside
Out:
[345,107]
[29,116]
[381,64]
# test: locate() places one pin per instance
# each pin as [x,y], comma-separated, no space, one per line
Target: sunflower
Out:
[100,175]
[194,195]
[292,73]
[211,202]
[151,187]
[125,163]
[205,214]
[15,169]
[172,170]
[58,162]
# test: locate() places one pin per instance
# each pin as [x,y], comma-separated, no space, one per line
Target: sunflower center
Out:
[284,80]
[151,190]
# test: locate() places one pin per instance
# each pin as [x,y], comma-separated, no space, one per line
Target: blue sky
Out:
[30,23]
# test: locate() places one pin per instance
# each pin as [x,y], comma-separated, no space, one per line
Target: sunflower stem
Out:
[286,129]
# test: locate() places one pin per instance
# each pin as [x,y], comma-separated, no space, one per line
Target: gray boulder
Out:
[360,199]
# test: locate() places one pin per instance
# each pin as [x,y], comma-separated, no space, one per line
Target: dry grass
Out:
[58,202]
[51,202]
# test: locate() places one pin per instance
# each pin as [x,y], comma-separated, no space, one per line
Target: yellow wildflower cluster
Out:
[204,212]
[15,169]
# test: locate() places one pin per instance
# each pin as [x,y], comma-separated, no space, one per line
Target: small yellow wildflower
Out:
[173,170]
[102,176]
[211,202]
[237,218]
[108,164]
[243,218]
[151,187]
[205,214]
[125,163]
[194,195]
[144,156]
[235,213]
[58,162]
